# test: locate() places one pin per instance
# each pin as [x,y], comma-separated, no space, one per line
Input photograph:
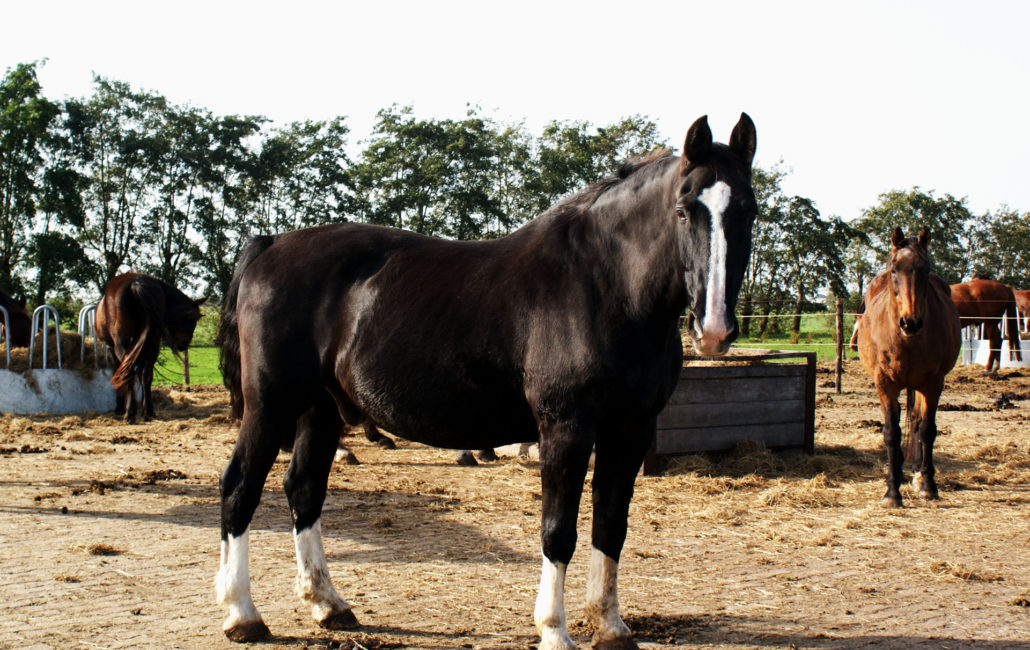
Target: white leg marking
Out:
[549,613]
[603,598]
[232,583]
[716,198]
[313,583]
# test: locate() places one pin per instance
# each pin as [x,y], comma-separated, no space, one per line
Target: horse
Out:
[1023,307]
[21,323]
[135,314]
[910,338]
[565,332]
[984,301]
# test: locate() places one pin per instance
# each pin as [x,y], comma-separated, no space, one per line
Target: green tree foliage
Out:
[113,139]
[574,154]
[25,120]
[1000,246]
[947,218]
[300,177]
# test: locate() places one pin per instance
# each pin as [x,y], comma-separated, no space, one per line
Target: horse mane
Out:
[577,204]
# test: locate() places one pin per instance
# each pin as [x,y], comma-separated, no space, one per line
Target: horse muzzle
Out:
[910,326]
[713,341]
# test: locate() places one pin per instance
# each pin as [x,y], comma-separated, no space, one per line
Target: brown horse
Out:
[986,302]
[910,339]
[134,315]
[1023,307]
[20,321]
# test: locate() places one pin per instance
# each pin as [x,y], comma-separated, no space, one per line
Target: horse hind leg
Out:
[924,482]
[241,485]
[318,433]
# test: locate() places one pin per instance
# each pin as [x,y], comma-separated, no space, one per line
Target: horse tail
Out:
[228,337]
[151,302]
[1012,325]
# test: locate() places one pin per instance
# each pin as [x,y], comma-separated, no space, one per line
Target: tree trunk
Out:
[795,328]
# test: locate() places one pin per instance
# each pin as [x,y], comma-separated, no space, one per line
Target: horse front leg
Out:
[241,486]
[318,433]
[892,441]
[924,482]
[617,462]
[564,456]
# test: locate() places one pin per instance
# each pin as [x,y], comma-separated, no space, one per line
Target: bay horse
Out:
[1023,307]
[909,339]
[564,332]
[135,314]
[986,302]
[21,321]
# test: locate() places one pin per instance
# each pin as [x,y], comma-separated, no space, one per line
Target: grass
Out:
[816,336]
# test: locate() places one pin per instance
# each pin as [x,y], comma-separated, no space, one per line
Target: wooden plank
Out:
[695,416]
[683,441]
[741,391]
[770,370]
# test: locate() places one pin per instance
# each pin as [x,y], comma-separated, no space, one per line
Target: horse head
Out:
[909,267]
[182,321]
[715,210]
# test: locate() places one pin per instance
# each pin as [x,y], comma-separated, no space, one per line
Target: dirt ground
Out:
[109,537]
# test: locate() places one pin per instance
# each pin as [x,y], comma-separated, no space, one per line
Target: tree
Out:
[25,120]
[111,134]
[1000,246]
[813,252]
[573,154]
[947,218]
[301,176]
[223,212]
[763,270]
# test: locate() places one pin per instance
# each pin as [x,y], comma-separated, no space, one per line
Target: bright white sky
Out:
[855,97]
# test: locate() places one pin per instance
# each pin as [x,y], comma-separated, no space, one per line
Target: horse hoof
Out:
[621,643]
[487,455]
[347,457]
[466,459]
[891,502]
[248,632]
[929,495]
[341,620]
[386,443]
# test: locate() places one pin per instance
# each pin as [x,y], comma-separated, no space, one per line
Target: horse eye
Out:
[681,213]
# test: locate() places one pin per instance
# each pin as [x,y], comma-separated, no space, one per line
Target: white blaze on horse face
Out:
[313,583]
[716,198]
[603,597]
[232,583]
[549,613]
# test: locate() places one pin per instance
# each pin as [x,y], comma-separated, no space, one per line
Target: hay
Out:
[71,351]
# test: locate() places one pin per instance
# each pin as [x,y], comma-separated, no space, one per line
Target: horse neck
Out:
[638,230]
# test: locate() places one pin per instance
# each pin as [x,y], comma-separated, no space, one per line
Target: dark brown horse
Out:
[21,322]
[909,339]
[564,332]
[135,314]
[985,302]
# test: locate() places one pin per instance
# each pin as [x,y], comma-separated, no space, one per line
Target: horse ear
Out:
[744,140]
[924,237]
[898,239]
[200,301]
[698,143]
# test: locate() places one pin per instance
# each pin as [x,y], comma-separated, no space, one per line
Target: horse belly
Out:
[443,414]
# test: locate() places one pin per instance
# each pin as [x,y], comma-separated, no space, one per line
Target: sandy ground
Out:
[109,537]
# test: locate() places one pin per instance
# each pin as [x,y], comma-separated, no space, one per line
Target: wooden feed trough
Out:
[739,397]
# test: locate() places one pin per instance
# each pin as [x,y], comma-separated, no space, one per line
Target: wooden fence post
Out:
[839,367]
[186,367]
